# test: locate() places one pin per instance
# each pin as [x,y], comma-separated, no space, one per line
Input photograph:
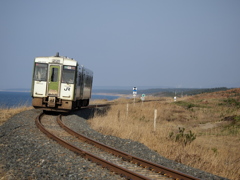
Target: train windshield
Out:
[68,74]
[40,73]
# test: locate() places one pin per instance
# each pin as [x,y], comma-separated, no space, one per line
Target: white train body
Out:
[60,83]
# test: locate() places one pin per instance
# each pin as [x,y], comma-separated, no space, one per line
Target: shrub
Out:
[231,102]
[181,137]
[186,105]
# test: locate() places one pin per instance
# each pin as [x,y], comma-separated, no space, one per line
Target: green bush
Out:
[231,102]
[183,138]
[186,105]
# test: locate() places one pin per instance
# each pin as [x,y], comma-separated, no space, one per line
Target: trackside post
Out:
[155,118]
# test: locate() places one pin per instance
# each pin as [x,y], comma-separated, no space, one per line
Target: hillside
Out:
[201,131]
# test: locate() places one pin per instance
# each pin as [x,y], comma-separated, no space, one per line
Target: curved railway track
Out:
[124,164]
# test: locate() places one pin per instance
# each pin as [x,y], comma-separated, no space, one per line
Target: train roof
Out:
[63,60]
[57,60]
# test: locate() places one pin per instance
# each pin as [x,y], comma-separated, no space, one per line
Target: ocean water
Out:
[15,99]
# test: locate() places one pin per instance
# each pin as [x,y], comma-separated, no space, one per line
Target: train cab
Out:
[60,83]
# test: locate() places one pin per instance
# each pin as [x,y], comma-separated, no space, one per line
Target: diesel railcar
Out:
[60,84]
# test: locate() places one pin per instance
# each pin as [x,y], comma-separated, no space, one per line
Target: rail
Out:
[141,162]
[112,167]
[106,164]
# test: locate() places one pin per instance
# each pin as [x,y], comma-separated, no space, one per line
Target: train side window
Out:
[79,79]
[40,72]
[79,76]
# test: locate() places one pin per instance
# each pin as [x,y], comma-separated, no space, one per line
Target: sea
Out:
[15,99]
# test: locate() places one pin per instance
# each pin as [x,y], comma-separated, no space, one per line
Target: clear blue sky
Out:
[125,42]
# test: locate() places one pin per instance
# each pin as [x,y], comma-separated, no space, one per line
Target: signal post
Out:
[134,94]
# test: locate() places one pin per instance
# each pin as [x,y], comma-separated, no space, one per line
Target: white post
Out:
[155,118]
[127,112]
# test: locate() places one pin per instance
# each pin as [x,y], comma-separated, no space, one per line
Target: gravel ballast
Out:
[27,153]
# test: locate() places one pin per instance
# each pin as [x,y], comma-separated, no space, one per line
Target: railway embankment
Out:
[26,153]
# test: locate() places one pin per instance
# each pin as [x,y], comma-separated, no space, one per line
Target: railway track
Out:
[124,164]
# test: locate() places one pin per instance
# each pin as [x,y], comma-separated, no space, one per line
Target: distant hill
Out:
[186,91]
[170,92]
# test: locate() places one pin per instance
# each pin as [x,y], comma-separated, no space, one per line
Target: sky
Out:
[160,43]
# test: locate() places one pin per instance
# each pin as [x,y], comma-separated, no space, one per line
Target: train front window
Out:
[68,74]
[40,73]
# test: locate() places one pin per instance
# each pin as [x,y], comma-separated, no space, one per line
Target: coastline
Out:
[15,90]
[113,94]
[100,94]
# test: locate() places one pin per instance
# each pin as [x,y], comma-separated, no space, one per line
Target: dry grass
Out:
[213,118]
[6,113]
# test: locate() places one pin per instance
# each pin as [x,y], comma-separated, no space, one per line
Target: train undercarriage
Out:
[56,104]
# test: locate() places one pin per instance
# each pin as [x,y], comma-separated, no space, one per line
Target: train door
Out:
[53,81]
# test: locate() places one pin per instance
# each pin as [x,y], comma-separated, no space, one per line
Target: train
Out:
[60,84]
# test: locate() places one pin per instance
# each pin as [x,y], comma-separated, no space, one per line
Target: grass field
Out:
[202,131]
